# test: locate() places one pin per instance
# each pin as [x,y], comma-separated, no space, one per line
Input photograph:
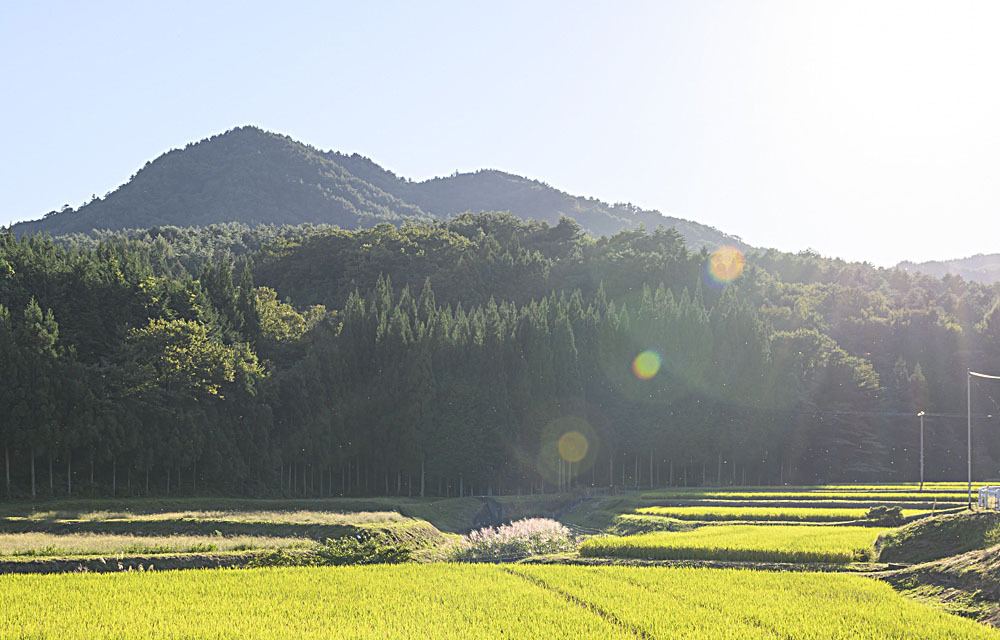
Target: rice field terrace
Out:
[450,601]
[743,543]
[838,503]
[803,496]
[99,544]
[763,514]
[177,526]
[279,592]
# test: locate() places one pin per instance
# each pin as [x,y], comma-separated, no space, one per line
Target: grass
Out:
[88,544]
[629,524]
[767,514]
[141,527]
[144,526]
[446,514]
[251,517]
[455,515]
[743,543]
[468,601]
[940,537]
[965,584]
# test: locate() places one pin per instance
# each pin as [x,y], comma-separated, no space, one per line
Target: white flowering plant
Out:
[528,537]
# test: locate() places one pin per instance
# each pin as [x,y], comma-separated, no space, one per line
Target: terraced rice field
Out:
[688,603]
[90,532]
[763,514]
[468,601]
[90,544]
[804,496]
[777,543]
[929,487]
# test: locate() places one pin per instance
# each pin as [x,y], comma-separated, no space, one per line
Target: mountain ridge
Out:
[255,176]
[982,267]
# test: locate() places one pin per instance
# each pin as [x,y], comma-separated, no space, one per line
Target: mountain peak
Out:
[251,175]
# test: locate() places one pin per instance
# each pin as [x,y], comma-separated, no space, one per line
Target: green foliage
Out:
[336,552]
[178,355]
[630,524]
[448,359]
[886,516]
[373,550]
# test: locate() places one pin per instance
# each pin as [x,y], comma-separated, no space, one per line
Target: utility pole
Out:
[968,404]
[921,416]
[968,401]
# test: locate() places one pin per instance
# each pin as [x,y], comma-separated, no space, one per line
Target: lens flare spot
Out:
[726,264]
[646,365]
[572,446]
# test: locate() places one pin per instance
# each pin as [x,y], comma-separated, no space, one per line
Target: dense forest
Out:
[480,355]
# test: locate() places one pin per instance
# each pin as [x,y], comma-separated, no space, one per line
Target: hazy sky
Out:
[867,130]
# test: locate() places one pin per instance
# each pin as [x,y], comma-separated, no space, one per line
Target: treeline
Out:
[483,355]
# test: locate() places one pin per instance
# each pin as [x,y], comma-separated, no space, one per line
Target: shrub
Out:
[372,550]
[886,516]
[531,536]
[337,551]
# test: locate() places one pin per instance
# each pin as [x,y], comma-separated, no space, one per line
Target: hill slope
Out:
[256,177]
[983,268]
[246,175]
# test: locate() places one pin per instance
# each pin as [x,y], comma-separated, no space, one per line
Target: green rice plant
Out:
[712,604]
[773,514]
[391,602]
[465,602]
[743,543]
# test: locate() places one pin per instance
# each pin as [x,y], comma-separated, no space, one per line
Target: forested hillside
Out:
[256,177]
[978,268]
[475,355]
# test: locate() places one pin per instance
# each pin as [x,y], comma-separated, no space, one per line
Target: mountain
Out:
[983,268]
[244,175]
[257,177]
[491,190]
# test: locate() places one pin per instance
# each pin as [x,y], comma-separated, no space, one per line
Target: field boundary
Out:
[114,564]
[597,610]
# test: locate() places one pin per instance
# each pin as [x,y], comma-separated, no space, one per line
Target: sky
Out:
[863,130]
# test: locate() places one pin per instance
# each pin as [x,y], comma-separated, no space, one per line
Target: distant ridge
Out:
[981,267]
[257,177]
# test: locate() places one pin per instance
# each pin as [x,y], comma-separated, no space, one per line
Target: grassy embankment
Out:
[79,528]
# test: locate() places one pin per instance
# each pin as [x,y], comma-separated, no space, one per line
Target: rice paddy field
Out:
[743,543]
[468,601]
[96,544]
[839,495]
[431,598]
[763,514]
[151,528]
